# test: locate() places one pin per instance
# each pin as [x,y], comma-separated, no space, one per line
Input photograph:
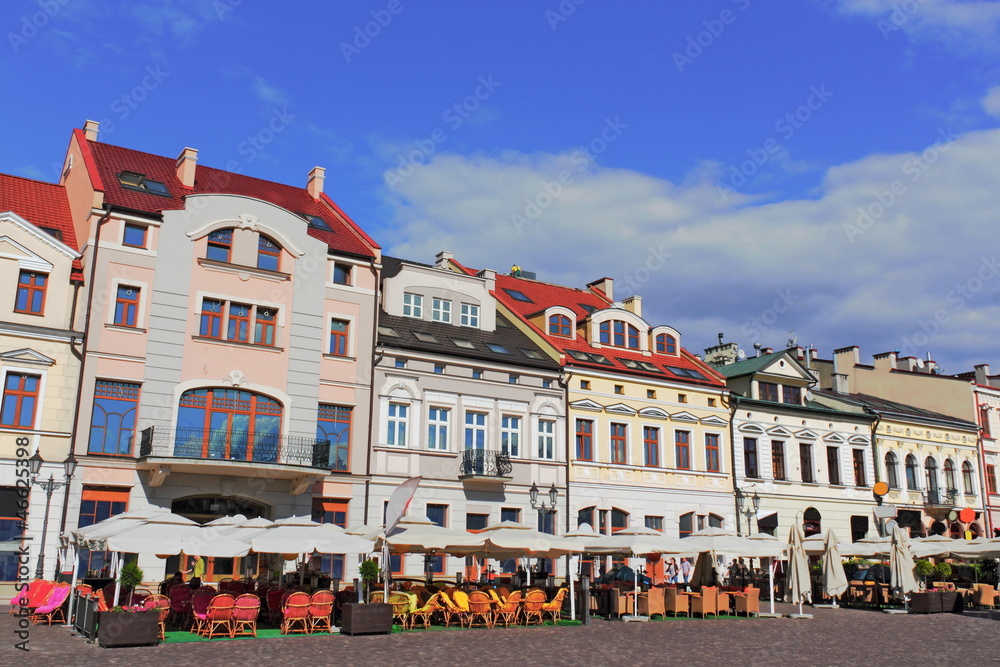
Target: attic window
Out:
[316,222]
[686,373]
[53,232]
[461,342]
[425,337]
[588,307]
[135,181]
[649,367]
[388,331]
[531,354]
[579,356]
[499,349]
[517,295]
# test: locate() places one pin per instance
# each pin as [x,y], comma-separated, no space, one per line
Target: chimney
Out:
[186,163]
[983,374]
[885,360]
[606,285]
[491,278]
[633,304]
[91,129]
[840,383]
[442,258]
[315,183]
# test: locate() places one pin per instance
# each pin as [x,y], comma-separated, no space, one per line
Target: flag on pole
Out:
[399,502]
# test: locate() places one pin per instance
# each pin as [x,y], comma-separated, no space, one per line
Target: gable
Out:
[654,413]
[27,260]
[27,356]
[684,417]
[713,421]
[620,409]
[587,404]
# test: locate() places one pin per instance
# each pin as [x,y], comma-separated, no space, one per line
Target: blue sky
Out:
[748,167]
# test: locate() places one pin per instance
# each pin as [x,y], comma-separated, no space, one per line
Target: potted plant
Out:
[364,619]
[128,626]
[943,570]
[130,579]
[923,569]
[369,571]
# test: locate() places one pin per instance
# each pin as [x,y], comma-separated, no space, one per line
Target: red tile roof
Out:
[43,205]
[106,161]
[547,295]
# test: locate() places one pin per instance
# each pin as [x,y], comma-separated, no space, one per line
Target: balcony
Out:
[939,502]
[485,467]
[165,450]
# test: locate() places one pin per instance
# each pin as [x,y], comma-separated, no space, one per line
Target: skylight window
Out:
[517,295]
[599,359]
[425,337]
[499,349]
[388,331]
[629,363]
[579,356]
[588,307]
[531,354]
[316,222]
[461,342]
[134,181]
[686,373]
[649,367]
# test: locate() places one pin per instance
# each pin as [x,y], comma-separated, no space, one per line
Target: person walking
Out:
[672,571]
[686,568]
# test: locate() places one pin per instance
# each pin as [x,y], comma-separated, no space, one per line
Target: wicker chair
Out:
[554,606]
[451,611]
[401,607]
[201,599]
[425,611]
[218,616]
[246,609]
[748,602]
[52,606]
[321,611]
[480,609]
[509,611]
[161,603]
[985,596]
[180,605]
[274,602]
[676,602]
[651,602]
[706,603]
[533,603]
[295,613]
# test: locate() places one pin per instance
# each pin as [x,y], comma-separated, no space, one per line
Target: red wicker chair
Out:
[321,611]
[295,613]
[274,602]
[180,605]
[218,616]
[201,599]
[52,606]
[246,609]
[162,604]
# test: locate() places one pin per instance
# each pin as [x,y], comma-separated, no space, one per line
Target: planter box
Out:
[123,628]
[951,602]
[366,619]
[925,603]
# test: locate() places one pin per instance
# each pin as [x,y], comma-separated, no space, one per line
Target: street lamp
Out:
[49,485]
[542,508]
[747,505]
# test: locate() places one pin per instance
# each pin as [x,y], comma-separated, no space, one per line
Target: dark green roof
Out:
[747,366]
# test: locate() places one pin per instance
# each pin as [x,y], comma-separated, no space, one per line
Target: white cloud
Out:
[991,103]
[895,251]
[960,24]
[268,92]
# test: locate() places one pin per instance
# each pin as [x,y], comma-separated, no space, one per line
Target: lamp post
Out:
[542,508]
[747,505]
[49,485]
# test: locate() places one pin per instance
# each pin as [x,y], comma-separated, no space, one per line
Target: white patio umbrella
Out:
[799,586]
[902,580]
[299,535]
[583,535]
[868,546]
[770,543]
[935,545]
[834,578]
[421,535]
[517,540]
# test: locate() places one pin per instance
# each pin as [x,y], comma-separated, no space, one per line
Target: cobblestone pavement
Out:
[833,637]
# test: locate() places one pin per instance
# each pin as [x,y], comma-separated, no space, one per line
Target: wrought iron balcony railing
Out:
[486,463]
[941,497]
[221,445]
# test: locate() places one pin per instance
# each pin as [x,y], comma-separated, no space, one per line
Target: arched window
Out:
[220,245]
[891,470]
[930,473]
[812,521]
[619,519]
[666,344]
[949,475]
[911,473]
[268,253]
[685,524]
[967,480]
[559,325]
[228,424]
[619,334]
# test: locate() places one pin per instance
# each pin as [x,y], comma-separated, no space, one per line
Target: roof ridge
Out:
[32,180]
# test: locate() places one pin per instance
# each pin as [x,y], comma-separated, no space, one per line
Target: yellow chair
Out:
[553,608]
[423,613]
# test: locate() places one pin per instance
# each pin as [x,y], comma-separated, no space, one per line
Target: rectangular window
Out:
[112,423]
[546,439]
[477,374]
[127,306]
[806,461]
[984,420]
[510,514]
[211,319]
[778,459]
[239,323]
[510,434]
[859,467]
[682,447]
[833,464]
[437,429]
[334,424]
[20,400]
[476,522]
[750,467]
[134,235]
[792,395]
[98,503]
[341,273]
[475,430]
[263,330]
[584,440]
[513,379]
[654,523]
[619,443]
[685,524]
[339,330]
[441,310]
[470,315]
[712,463]
[651,446]
[991,478]
[31,288]
[413,305]
[396,436]
[768,391]
[584,384]
[335,511]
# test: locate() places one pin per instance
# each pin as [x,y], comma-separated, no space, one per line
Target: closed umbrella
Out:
[799,586]
[834,579]
[902,580]
[776,548]
[704,570]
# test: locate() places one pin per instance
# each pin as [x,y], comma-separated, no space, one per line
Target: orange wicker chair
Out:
[246,609]
[480,609]
[424,612]
[219,616]
[748,602]
[676,602]
[553,607]
[161,603]
[706,603]
[295,613]
[321,611]
[400,602]
[533,603]
[509,611]
[451,611]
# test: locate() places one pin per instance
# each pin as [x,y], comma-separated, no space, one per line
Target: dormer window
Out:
[413,305]
[131,180]
[560,325]
[441,310]
[220,245]
[666,344]
[470,315]
[268,254]
[619,334]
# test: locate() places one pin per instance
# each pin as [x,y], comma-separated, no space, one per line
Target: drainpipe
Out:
[982,467]
[371,390]
[563,381]
[731,401]
[876,462]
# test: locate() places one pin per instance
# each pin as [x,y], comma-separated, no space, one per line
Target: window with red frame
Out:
[20,400]
[651,445]
[127,306]
[263,333]
[619,519]
[220,245]
[984,420]
[682,448]
[619,334]
[211,319]
[666,344]
[559,325]
[619,445]
[98,503]
[712,453]
[31,288]
[991,478]
[335,511]
[239,323]
[339,330]
[685,524]
[268,254]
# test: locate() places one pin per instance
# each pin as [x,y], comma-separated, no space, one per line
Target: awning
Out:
[767,519]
